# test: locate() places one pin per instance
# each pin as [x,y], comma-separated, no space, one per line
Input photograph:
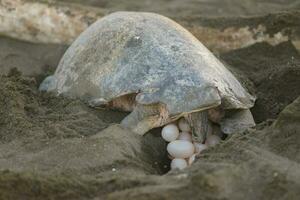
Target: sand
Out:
[57,148]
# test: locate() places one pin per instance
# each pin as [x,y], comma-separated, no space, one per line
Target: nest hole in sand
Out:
[179,148]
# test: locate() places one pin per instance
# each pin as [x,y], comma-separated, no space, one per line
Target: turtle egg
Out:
[212,140]
[178,163]
[185,136]
[170,132]
[199,147]
[183,125]
[180,149]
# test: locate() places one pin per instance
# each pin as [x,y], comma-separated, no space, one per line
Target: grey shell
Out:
[148,54]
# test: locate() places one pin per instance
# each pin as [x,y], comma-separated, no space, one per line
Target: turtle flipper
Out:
[200,125]
[237,121]
[145,117]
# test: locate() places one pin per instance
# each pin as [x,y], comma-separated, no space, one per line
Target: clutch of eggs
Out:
[181,148]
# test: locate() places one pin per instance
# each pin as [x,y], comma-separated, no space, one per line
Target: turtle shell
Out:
[149,55]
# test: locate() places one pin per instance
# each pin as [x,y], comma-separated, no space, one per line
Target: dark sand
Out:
[57,148]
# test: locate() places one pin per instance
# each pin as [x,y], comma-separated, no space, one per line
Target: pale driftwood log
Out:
[45,22]
[54,22]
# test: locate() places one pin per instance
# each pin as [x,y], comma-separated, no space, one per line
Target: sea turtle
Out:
[150,65]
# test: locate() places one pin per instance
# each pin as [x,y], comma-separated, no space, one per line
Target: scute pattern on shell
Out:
[146,53]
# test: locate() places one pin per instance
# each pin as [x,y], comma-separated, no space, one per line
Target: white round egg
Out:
[184,125]
[199,147]
[185,136]
[170,132]
[212,140]
[180,149]
[178,163]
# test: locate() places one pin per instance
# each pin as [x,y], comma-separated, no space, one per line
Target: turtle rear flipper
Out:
[237,121]
[200,125]
[146,117]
